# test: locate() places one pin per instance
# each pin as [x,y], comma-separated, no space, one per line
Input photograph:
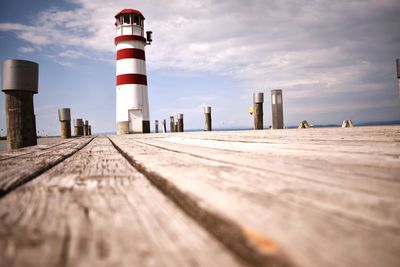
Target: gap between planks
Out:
[13,175]
[249,245]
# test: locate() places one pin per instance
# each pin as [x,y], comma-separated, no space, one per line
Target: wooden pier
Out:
[299,197]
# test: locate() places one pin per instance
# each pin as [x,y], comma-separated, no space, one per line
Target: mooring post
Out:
[78,127]
[398,72]
[156,126]
[171,124]
[90,129]
[180,123]
[164,126]
[258,101]
[277,109]
[86,128]
[207,118]
[64,116]
[19,84]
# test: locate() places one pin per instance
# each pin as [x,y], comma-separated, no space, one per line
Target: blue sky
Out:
[334,60]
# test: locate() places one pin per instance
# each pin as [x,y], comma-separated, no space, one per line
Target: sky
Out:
[334,60]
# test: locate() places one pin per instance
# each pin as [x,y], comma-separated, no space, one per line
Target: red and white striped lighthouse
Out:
[132,107]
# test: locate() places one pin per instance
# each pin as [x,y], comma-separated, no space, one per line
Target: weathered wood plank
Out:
[95,209]
[382,171]
[22,168]
[303,202]
[42,145]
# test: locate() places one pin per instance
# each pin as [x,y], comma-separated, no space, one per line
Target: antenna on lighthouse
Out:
[149,37]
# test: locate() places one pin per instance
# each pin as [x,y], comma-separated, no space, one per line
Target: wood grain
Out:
[21,168]
[324,202]
[95,209]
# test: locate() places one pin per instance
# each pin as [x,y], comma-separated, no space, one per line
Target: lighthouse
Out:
[132,103]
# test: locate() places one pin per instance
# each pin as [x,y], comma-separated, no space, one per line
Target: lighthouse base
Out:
[146,126]
[123,127]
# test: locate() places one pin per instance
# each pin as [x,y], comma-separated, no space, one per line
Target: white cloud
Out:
[309,48]
[25,49]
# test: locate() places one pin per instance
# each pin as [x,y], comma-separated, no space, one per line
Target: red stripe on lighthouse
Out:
[131,79]
[129,38]
[131,53]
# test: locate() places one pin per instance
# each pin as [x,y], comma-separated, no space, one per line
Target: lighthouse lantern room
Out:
[132,104]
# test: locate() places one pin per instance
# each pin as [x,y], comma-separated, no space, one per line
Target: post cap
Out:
[78,122]
[180,116]
[207,110]
[258,97]
[86,122]
[64,114]
[276,91]
[20,75]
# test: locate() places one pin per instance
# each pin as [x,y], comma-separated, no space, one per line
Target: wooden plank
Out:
[380,170]
[19,169]
[42,145]
[315,223]
[95,209]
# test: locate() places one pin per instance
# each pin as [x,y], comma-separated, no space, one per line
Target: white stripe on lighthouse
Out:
[131,65]
[130,44]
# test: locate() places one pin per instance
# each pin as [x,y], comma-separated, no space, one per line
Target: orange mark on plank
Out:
[263,243]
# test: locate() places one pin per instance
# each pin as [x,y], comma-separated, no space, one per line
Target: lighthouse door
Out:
[135,121]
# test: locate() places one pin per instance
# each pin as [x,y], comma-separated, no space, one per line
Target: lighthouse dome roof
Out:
[130,11]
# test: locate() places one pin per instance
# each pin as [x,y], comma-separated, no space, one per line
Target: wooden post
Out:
[171,124]
[277,109]
[19,84]
[258,100]
[64,115]
[207,117]
[164,126]
[78,127]
[86,128]
[180,123]
[90,129]
[156,126]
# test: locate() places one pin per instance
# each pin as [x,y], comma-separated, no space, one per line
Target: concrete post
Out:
[207,119]
[86,128]
[64,115]
[19,84]
[171,124]
[258,101]
[164,126]
[180,123]
[156,126]
[277,109]
[78,127]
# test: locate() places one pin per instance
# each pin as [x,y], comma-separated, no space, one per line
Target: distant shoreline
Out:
[374,123]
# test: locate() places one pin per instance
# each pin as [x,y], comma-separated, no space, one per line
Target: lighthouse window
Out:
[127,19]
[135,20]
